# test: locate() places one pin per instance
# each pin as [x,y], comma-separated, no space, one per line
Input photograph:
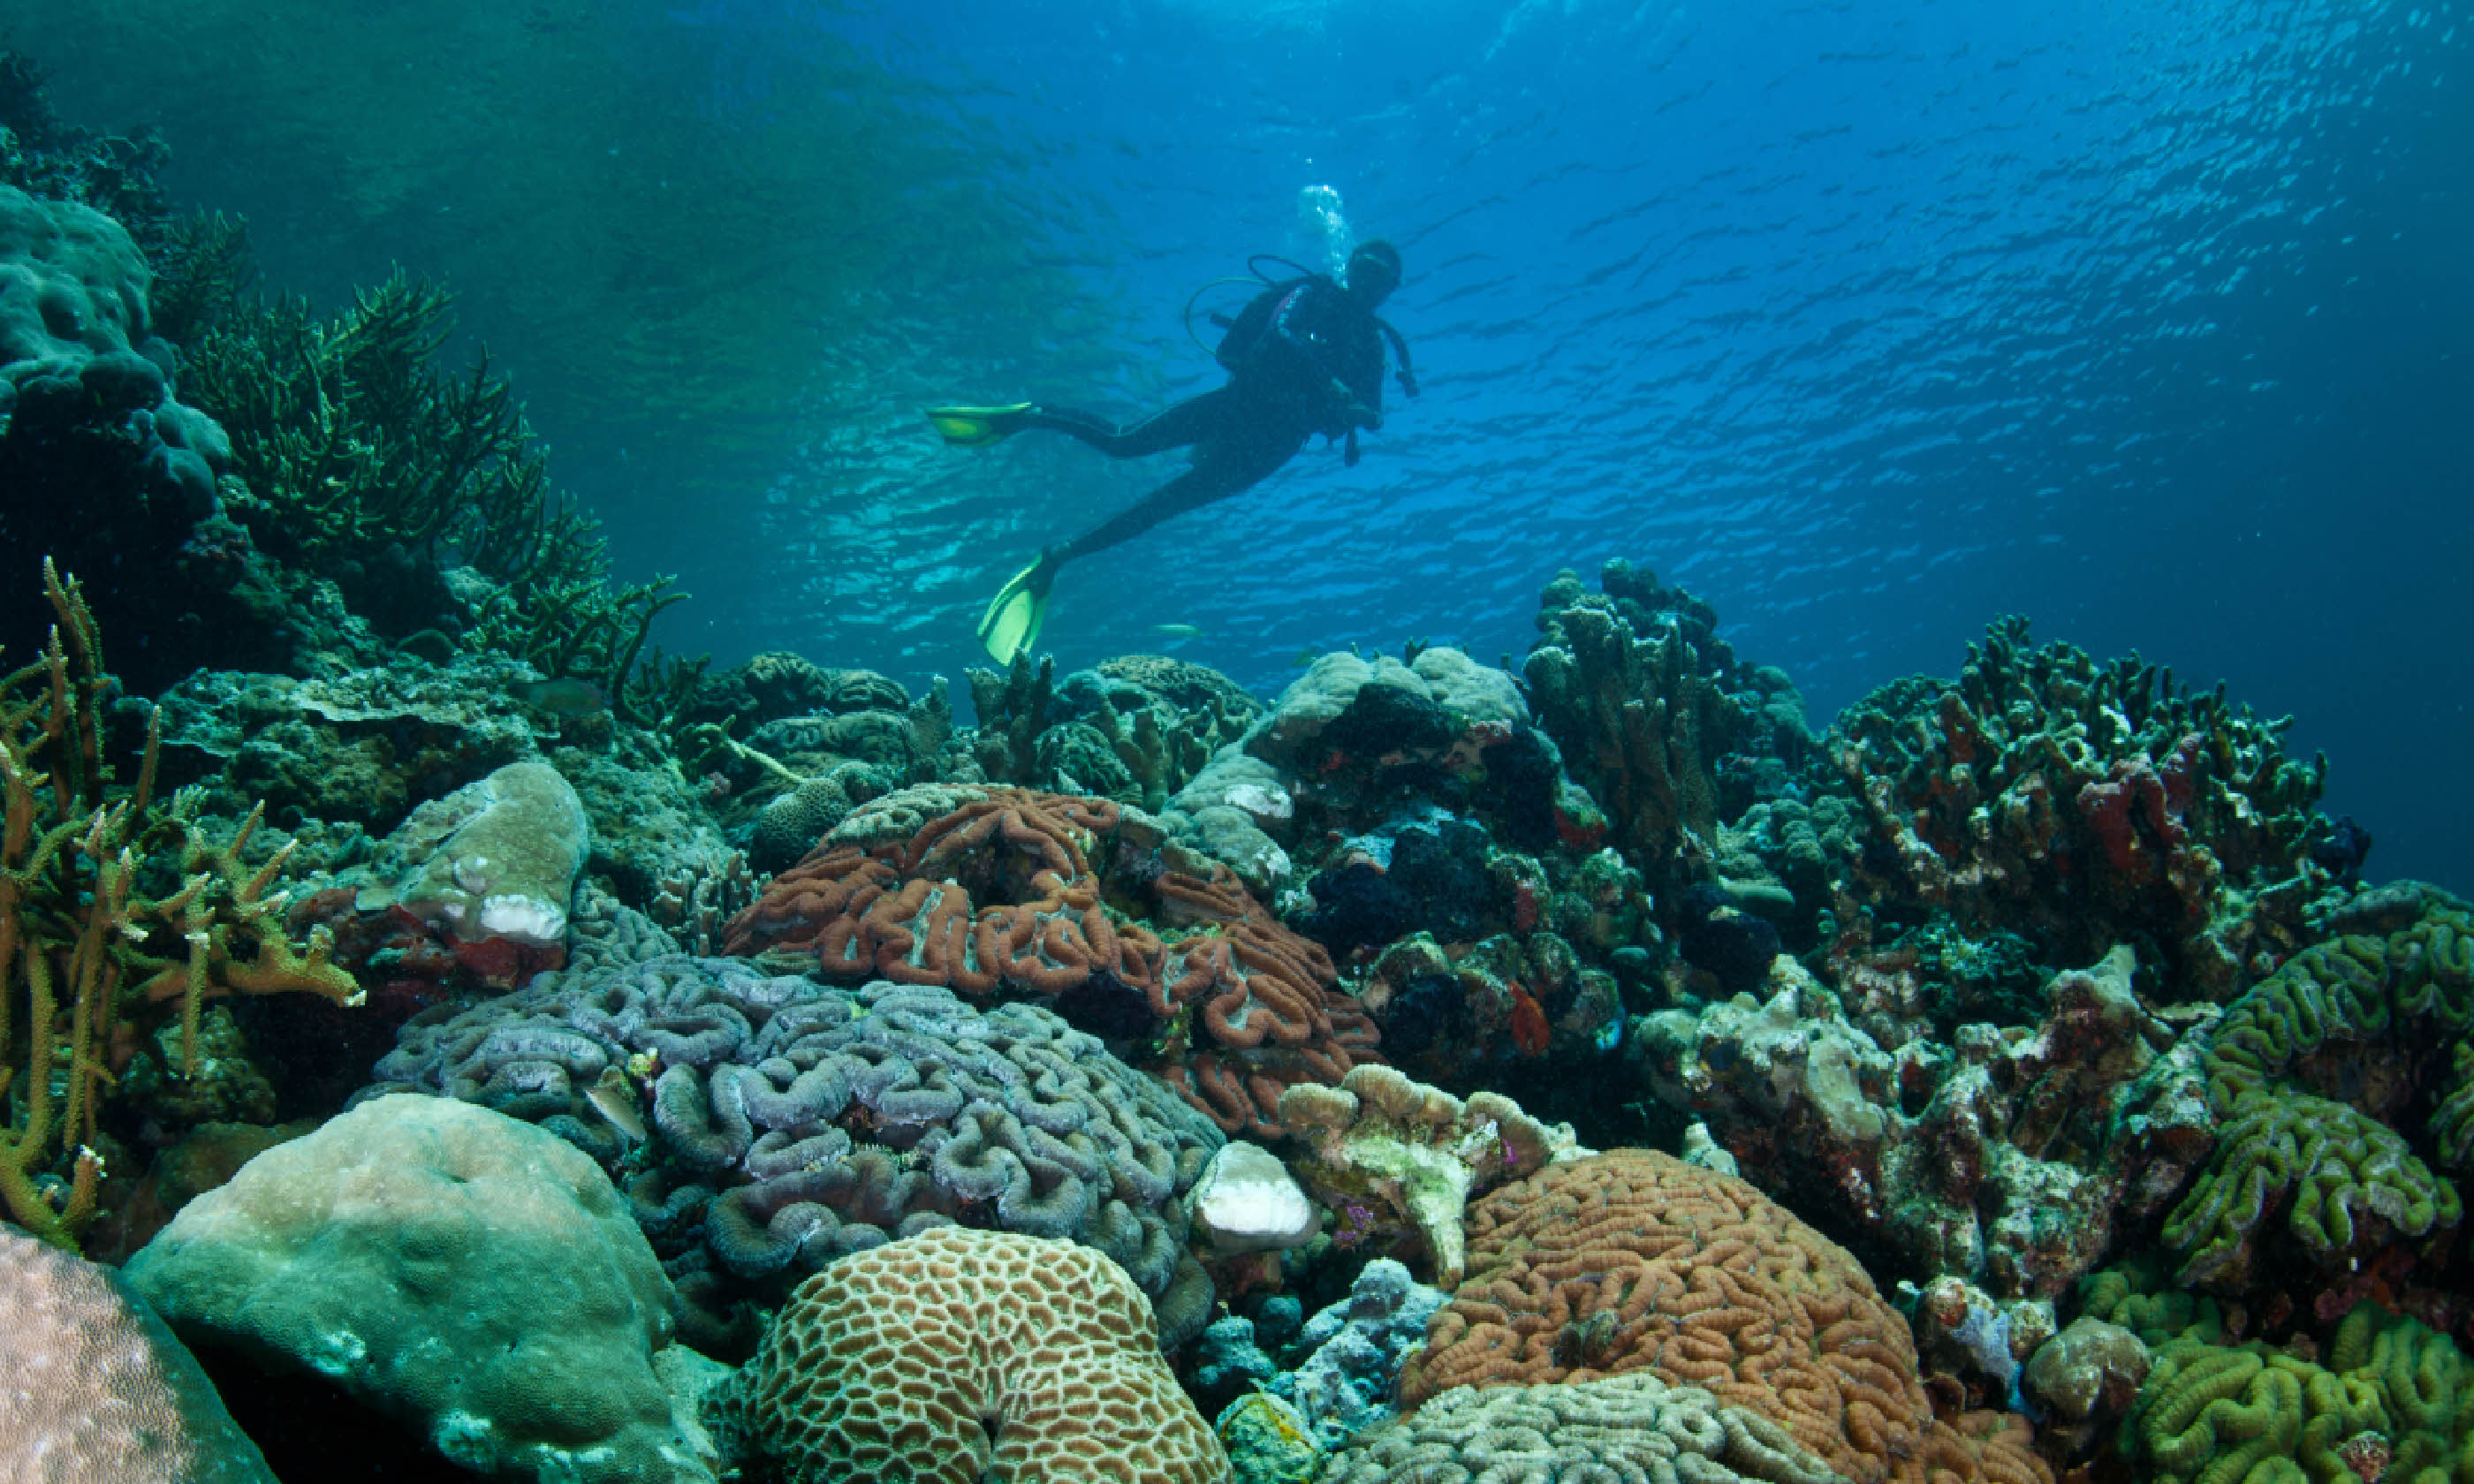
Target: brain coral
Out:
[999,895]
[955,1356]
[1633,1260]
[1625,1429]
[98,1390]
[830,1120]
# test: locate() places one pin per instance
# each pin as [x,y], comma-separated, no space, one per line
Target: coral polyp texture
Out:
[1624,1429]
[999,894]
[957,1356]
[794,1123]
[99,1391]
[1633,1261]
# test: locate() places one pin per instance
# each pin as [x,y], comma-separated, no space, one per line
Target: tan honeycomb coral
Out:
[958,1355]
[1634,1260]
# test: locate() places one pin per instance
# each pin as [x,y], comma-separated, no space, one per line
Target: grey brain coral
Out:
[834,1119]
[1626,1429]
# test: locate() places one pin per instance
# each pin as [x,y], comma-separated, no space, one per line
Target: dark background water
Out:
[1868,322]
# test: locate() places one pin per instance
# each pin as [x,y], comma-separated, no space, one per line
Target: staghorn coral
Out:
[2346,1185]
[1416,1151]
[792,1123]
[99,1391]
[1001,895]
[113,914]
[955,1356]
[1624,1429]
[1633,1261]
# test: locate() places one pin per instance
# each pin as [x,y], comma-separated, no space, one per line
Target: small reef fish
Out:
[616,1097]
[1178,631]
[1306,658]
[564,697]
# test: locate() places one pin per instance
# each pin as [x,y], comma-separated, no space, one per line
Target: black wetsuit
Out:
[1305,357]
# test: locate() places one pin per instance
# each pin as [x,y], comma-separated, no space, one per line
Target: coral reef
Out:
[2388,1398]
[99,1390]
[1633,1430]
[1398,1161]
[2075,803]
[1135,730]
[960,1355]
[1245,1201]
[113,914]
[1001,895]
[783,1124]
[2012,1158]
[1634,1262]
[1641,698]
[1350,1353]
[449,1266]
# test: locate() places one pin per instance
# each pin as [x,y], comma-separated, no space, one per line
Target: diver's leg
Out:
[1189,421]
[1222,471]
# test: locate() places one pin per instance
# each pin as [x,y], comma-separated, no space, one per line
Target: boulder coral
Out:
[955,1356]
[449,1266]
[1633,1261]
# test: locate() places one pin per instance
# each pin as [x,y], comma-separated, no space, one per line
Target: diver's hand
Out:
[1361,416]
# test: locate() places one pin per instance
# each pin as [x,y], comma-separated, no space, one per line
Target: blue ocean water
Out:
[1868,322]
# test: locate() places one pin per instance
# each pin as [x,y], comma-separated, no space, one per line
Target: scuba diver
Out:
[1304,356]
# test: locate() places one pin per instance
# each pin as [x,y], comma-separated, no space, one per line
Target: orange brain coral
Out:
[1001,895]
[1635,1260]
[958,1355]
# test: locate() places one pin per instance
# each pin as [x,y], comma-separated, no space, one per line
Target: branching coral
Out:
[360,456]
[88,945]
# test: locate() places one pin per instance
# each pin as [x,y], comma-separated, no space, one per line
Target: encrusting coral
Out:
[1634,1262]
[113,913]
[955,1356]
[1398,1159]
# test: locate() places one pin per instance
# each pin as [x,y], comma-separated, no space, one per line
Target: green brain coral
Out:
[2352,1182]
[2391,1392]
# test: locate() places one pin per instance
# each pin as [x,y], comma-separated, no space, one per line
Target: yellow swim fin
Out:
[1011,624]
[977,427]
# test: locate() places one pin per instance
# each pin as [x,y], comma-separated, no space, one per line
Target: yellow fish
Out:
[1178,631]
